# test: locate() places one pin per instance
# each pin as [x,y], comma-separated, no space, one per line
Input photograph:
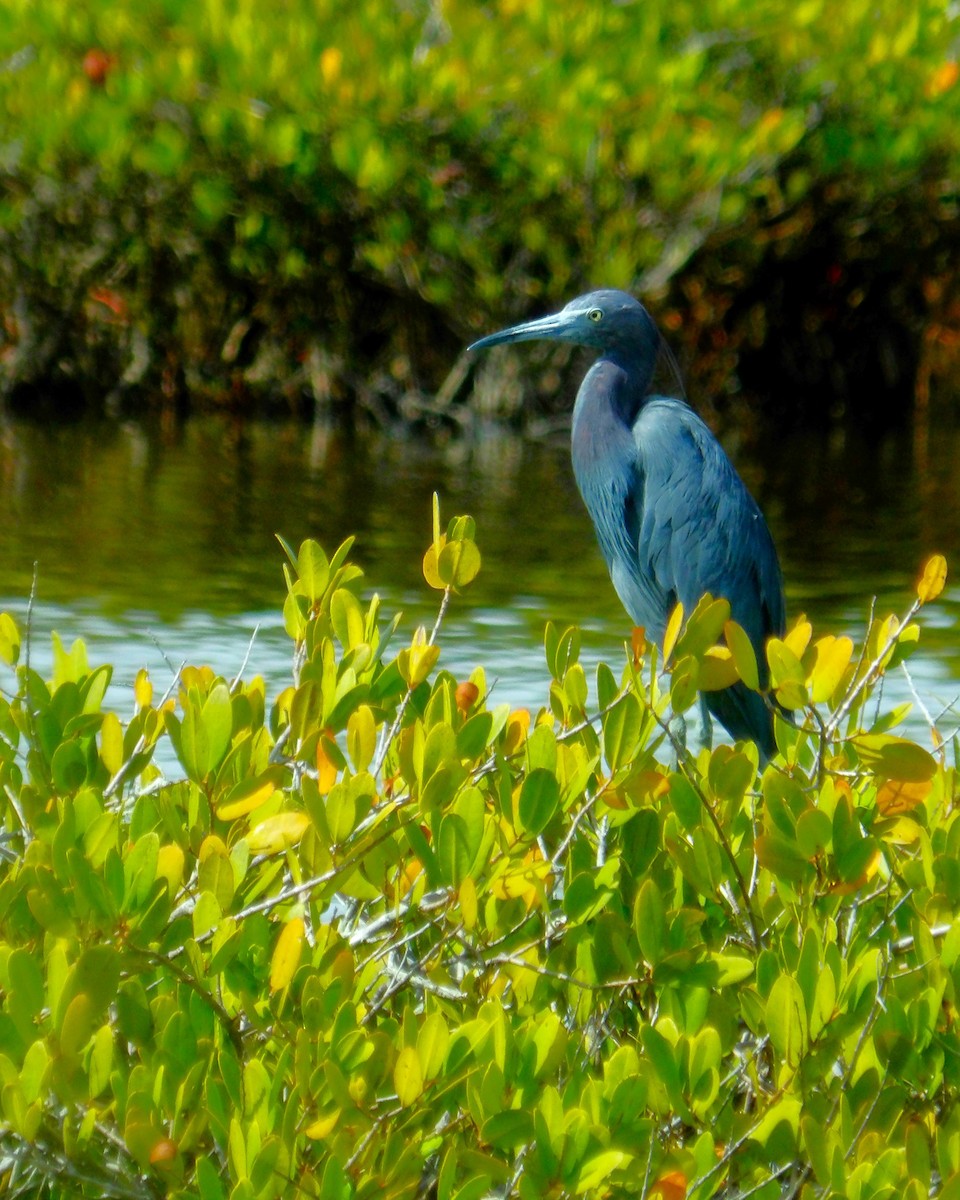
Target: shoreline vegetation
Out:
[379,934]
[316,209]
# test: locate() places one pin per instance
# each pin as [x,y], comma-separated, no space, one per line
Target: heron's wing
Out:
[696,527]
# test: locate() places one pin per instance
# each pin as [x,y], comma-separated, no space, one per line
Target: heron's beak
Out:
[558,326]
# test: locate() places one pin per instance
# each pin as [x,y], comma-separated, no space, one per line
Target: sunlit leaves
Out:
[9,640]
[277,833]
[286,954]
[452,559]
[933,578]
[895,758]
[380,923]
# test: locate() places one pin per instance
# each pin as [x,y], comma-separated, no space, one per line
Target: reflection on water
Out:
[153,547]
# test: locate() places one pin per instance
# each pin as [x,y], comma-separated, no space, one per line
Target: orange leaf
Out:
[898,796]
[670,1186]
[943,79]
[326,770]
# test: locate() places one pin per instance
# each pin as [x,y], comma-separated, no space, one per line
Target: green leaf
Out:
[101,1061]
[704,627]
[346,616]
[621,731]
[140,871]
[313,569]
[455,850]
[508,1130]
[361,737]
[786,1017]
[895,758]
[743,654]
[432,1042]
[539,801]
[596,1170]
[782,857]
[408,1076]
[663,1057]
[649,921]
[69,766]
[684,683]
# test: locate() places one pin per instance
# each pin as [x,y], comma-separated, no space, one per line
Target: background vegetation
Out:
[322,202]
[374,936]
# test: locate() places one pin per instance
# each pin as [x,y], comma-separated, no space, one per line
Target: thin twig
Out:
[30,604]
[141,741]
[387,740]
[871,672]
[246,657]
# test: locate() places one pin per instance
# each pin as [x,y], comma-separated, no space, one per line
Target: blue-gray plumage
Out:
[672,516]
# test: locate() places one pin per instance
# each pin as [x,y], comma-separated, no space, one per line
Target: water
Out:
[157,547]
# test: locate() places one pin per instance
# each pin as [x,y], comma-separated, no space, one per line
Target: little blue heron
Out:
[673,517]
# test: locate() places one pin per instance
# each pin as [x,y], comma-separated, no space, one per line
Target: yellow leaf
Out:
[331,60]
[170,867]
[286,954]
[431,564]
[785,664]
[833,656]
[743,654]
[416,663]
[516,732]
[278,833]
[142,689]
[704,626]
[903,832]
[799,636]
[718,669]
[528,880]
[407,1076]
[212,844]
[672,632]
[245,804]
[323,1126]
[111,742]
[934,577]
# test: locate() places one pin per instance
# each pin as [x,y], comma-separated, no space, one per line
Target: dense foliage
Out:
[379,936]
[200,191]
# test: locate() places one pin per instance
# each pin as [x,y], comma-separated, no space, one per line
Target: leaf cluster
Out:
[383,935]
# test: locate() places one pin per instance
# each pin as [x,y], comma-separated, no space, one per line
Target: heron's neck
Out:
[603,417]
[612,388]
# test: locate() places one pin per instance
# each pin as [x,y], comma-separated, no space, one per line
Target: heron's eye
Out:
[595,314]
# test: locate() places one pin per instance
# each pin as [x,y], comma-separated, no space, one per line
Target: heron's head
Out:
[607,320]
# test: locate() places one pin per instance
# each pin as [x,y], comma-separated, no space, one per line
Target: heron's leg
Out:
[706,734]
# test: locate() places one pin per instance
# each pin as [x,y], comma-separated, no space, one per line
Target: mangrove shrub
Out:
[380,935]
